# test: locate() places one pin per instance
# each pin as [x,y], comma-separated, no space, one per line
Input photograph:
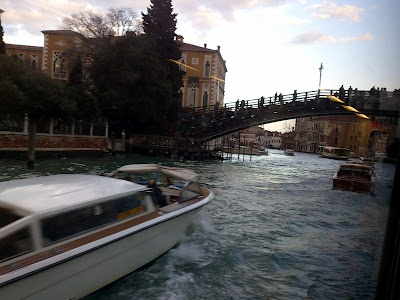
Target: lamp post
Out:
[320,75]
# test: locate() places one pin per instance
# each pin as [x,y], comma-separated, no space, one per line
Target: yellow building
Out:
[204,80]
[29,54]
[57,42]
[347,131]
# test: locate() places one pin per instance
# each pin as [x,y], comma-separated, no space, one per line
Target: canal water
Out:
[275,230]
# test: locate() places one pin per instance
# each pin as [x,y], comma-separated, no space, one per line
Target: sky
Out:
[269,45]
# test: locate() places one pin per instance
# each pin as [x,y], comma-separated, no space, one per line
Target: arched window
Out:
[183,65]
[59,68]
[34,58]
[207,70]
[205,100]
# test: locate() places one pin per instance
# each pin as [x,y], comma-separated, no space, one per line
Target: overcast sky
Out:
[269,45]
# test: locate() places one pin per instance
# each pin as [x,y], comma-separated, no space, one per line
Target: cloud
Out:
[33,16]
[330,10]
[365,37]
[312,37]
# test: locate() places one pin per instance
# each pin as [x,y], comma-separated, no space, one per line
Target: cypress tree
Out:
[159,24]
[2,44]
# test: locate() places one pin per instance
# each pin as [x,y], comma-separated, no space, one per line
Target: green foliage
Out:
[31,92]
[133,85]
[2,44]
[160,24]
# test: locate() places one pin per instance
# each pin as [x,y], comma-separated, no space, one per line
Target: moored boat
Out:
[66,236]
[354,177]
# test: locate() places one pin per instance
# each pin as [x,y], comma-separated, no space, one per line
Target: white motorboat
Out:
[289,152]
[66,236]
[335,153]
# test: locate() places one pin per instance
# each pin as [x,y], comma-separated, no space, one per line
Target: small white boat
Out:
[354,177]
[289,152]
[66,236]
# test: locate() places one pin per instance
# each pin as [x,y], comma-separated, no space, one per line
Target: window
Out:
[88,218]
[195,61]
[59,66]
[16,244]
[21,55]
[34,59]
[182,65]
[207,70]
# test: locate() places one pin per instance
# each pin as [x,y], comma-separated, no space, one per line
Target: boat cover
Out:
[169,171]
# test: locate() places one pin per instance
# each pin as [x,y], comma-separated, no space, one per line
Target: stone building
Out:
[347,131]
[203,82]
[31,55]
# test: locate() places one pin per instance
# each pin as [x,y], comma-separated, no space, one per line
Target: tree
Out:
[124,20]
[159,24]
[32,93]
[117,22]
[133,86]
[2,44]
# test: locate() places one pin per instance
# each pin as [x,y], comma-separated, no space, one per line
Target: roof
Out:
[190,47]
[57,192]
[24,47]
[61,31]
[180,173]
[193,48]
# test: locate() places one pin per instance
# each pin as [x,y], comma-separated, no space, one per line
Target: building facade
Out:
[31,55]
[348,131]
[204,80]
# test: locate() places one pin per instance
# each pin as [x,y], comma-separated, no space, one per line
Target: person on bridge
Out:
[262,101]
[341,93]
[295,95]
[349,95]
[281,98]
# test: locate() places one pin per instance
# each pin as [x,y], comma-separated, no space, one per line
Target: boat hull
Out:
[348,184]
[91,269]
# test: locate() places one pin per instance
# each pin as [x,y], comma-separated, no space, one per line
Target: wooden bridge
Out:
[199,125]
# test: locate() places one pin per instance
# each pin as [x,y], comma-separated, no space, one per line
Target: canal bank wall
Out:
[44,142]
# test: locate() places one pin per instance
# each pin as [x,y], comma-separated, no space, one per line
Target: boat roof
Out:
[331,147]
[356,166]
[180,173]
[58,192]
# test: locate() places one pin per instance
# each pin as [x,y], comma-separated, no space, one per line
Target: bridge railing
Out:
[278,101]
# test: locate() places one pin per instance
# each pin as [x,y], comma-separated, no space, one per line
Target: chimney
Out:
[205,45]
[219,47]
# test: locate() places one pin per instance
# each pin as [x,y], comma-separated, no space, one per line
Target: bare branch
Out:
[123,20]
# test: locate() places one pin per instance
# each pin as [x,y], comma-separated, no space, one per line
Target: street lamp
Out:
[320,75]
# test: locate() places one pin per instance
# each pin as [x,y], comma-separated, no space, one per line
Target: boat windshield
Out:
[191,191]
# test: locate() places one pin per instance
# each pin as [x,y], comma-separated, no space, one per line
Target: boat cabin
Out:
[335,153]
[39,212]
